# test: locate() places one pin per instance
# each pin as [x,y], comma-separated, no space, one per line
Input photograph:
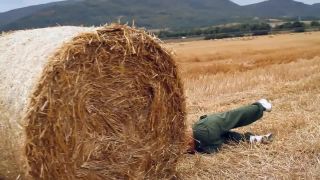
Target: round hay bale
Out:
[108,104]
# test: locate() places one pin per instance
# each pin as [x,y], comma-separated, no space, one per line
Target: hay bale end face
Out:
[108,105]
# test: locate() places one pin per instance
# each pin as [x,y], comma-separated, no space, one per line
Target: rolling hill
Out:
[283,8]
[150,13]
[16,14]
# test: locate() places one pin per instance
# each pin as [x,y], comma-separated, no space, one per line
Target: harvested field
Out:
[227,55]
[224,74]
[106,103]
[221,75]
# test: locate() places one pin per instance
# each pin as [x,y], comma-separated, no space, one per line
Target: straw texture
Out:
[23,56]
[109,105]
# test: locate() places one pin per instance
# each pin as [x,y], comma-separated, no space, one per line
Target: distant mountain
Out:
[150,13]
[282,8]
[147,13]
[317,5]
[13,15]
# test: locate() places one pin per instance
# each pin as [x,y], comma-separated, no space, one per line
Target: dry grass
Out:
[109,104]
[212,57]
[220,75]
[284,69]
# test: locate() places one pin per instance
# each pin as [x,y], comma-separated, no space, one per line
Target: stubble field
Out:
[225,74]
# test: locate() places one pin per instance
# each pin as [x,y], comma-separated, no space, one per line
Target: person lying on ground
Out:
[211,131]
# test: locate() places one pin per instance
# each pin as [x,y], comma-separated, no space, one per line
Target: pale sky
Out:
[6,5]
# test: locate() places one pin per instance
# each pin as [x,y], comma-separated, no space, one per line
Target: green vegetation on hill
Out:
[152,14]
[315,24]
[146,13]
[296,26]
[220,32]
[239,30]
[283,8]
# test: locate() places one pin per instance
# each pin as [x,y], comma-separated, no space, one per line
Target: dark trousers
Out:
[211,131]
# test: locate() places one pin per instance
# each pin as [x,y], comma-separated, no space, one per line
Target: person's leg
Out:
[238,117]
[210,129]
[235,137]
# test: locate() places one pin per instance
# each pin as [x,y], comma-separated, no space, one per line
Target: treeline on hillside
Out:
[296,26]
[239,30]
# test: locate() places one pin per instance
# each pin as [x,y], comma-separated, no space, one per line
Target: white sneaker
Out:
[266,139]
[262,139]
[266,104]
